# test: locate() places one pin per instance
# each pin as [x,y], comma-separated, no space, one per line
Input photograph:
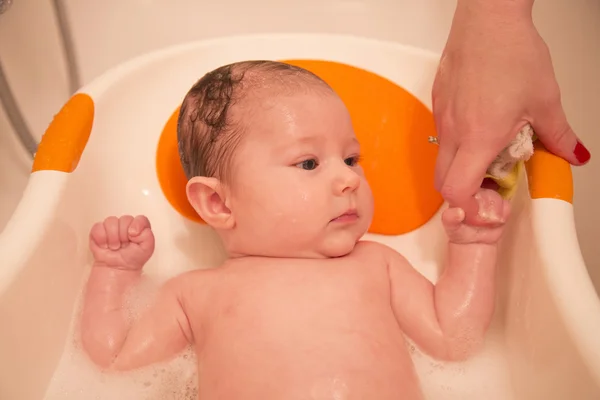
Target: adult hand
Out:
[495,75]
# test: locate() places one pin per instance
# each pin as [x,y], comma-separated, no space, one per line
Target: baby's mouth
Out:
[349,216]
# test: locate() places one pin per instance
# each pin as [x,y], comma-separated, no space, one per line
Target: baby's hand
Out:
[492,208]
[123,243]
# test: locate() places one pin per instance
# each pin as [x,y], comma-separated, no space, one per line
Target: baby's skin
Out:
[303,308]
[272,328]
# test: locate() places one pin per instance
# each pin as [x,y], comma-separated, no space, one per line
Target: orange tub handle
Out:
[67,135]
[549,176]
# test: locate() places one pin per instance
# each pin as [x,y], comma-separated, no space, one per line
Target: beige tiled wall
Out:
[112,31]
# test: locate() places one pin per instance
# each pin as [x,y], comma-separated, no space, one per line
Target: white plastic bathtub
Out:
[544,342]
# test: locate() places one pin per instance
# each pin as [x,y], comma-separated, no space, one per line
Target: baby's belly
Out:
[310,363]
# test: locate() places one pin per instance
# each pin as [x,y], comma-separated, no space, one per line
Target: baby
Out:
[302,308]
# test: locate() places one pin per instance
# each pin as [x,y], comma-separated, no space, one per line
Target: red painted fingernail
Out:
[581,153]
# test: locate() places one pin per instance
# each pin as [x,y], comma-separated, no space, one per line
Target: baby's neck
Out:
[305,255]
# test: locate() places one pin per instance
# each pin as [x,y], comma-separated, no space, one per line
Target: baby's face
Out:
[297,189]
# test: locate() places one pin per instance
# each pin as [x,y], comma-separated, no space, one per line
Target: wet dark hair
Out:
[207,133]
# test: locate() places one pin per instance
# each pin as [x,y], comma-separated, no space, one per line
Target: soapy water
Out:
[78,378]
[484,376]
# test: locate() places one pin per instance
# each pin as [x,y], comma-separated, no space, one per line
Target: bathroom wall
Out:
[31,57]
[572,31]
[112,31]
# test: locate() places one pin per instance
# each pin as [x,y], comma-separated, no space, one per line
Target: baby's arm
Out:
[121,247]
[449,320]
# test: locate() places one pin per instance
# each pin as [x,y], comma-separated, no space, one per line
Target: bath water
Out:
[484,376]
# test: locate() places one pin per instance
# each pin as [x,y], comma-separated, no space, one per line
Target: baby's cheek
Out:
[366,196]
[280,210]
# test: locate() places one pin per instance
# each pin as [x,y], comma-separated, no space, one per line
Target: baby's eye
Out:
[352,161]
[308,164]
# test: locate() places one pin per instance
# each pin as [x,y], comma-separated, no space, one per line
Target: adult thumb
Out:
[558,137]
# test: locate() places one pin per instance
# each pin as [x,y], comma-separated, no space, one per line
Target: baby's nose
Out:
[347,181]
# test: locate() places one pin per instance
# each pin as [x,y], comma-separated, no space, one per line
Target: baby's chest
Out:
[304,297]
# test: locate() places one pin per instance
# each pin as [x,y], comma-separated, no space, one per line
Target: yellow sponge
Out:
[507,185]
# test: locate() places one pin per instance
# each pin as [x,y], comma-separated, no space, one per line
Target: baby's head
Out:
[272,162]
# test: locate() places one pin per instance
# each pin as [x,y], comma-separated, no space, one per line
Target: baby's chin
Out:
[339,246]
[333,244]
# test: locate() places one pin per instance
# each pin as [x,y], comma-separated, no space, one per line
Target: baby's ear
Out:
[208,197]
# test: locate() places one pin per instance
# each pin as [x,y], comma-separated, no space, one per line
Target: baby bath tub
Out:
[111,150]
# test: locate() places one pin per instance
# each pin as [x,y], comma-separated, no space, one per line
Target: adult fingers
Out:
[446,153]
[464,178]
[557,136]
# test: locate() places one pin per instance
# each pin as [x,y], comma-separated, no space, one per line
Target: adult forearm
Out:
[514,8]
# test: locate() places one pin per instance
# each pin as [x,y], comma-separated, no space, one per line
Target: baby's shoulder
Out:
[380,252]
[191,283]
[372,249]
[371,253]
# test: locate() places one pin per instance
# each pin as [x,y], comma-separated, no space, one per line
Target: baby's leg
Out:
[121,247]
